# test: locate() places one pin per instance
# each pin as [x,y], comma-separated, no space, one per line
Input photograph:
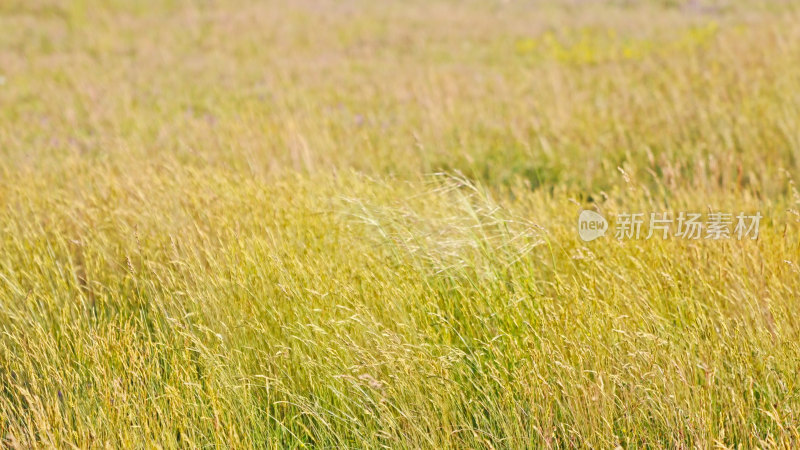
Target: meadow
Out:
[228,223]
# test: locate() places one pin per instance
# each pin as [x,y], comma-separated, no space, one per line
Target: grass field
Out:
[354,224]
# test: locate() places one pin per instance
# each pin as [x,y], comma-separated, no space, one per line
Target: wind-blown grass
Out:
[354,225]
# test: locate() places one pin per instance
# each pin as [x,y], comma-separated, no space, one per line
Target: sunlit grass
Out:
[354,225]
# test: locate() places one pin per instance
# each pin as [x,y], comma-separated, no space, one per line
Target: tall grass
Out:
[326,224]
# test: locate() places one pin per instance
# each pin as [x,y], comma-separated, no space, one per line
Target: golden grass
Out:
[353,224]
